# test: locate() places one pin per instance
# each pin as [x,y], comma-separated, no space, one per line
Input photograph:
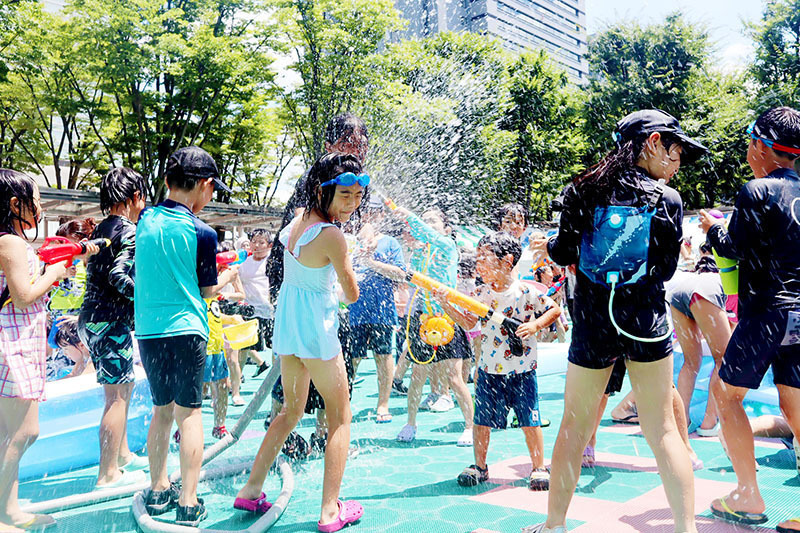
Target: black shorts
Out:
[616,378]
[458,348]
[111,347]
[375,337]
[175,368]
[759,342]
[315,400]
[265,328]
[601,349]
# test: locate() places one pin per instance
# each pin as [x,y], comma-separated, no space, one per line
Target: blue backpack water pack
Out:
[614,253]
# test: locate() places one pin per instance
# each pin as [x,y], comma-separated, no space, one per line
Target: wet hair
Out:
[596,181]
[327,168]
[706,264]
[80,228]
[509,209]
[259,232]
[467,263]
[15,184]
[502,244]
[541,270]
[67,334]
[119,185]
[782,125]
[344,125]
[448,223]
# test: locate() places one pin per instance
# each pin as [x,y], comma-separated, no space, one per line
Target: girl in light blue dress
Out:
[306,326]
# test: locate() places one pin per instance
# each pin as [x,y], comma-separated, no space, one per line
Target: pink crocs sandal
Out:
[259,505]
[349,512]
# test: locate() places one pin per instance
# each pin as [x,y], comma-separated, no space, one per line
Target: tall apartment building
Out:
[558,26]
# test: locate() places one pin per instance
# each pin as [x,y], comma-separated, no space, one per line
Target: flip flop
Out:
[383,418]
[349,512]
[632,418]
[782,529]
[588,457]
[738,517]
[39,522]
[710,432]
[258,505]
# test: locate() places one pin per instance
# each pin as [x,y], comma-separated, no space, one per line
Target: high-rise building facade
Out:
[557,26]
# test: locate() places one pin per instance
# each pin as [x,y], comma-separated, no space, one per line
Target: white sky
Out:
[724,18]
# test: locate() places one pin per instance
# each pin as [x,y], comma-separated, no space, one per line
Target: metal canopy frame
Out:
[57,203]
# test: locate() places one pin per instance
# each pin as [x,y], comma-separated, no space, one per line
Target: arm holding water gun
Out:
[745,220]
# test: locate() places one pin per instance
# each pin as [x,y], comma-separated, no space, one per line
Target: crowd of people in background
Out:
[331,288]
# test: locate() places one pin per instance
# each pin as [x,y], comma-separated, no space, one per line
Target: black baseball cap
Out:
[194,162]
[643,123]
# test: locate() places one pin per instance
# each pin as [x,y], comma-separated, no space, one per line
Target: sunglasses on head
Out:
[769,142]
[347,179]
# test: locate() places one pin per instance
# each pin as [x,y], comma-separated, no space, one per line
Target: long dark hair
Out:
[15,184]
[327,168]
[80,228]
[597,180]
[706,264]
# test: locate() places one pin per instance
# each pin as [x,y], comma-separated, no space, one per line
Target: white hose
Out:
[791,208]
[148,524]
[104,495]
[665,336]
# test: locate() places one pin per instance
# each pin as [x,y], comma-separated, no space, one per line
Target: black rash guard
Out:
[639,308]
[764,235]
[110,273]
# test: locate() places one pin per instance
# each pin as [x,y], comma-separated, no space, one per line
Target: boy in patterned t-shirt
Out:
[506,378]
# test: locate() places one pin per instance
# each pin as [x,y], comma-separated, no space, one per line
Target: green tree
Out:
[329,41]
[170,72]
[546,116]
[665,66]
[776,68]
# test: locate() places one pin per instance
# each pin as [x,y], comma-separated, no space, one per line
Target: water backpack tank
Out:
[614,252]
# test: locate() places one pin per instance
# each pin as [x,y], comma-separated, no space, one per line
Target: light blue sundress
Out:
[306,317]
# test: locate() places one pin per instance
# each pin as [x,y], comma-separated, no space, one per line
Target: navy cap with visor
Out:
[195,162]
[643,123]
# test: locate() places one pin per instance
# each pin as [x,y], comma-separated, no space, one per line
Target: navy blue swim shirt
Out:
[764,235]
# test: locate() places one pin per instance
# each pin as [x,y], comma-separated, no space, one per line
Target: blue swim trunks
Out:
[497,394]
[216,368]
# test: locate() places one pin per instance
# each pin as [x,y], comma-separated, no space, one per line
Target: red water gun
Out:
[57,249]
[233,257]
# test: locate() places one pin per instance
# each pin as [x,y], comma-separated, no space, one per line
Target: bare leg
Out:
[690,339]
[714,324]
[296,381]
[330,378]
[112,428]
[19,428]
[384,365]
[740,447]
[600,410]
[419,374]
[236,376]
[625,407]
[534,439]
[770,426]
[220,390]
[652,385]
[582,395]
[402,367]
[679,411]
[480,443]
[453,369]
[190,424]
[158,445]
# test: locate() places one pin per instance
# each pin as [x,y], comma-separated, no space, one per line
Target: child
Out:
[106,321]
[175,269]
[68,340]
[650,147]
[254,279]
[216,370]
[437,258]
[23,319]
[505,379]
[306,332]
[763,235]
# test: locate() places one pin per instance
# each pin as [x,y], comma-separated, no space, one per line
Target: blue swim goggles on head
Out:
[347,179]
[769,142]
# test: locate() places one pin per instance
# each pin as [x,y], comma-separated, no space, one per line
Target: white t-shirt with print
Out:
[520,301]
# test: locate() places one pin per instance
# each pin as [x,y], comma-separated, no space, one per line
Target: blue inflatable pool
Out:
[69,421]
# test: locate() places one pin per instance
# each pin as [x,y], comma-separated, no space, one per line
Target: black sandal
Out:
[473,475]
